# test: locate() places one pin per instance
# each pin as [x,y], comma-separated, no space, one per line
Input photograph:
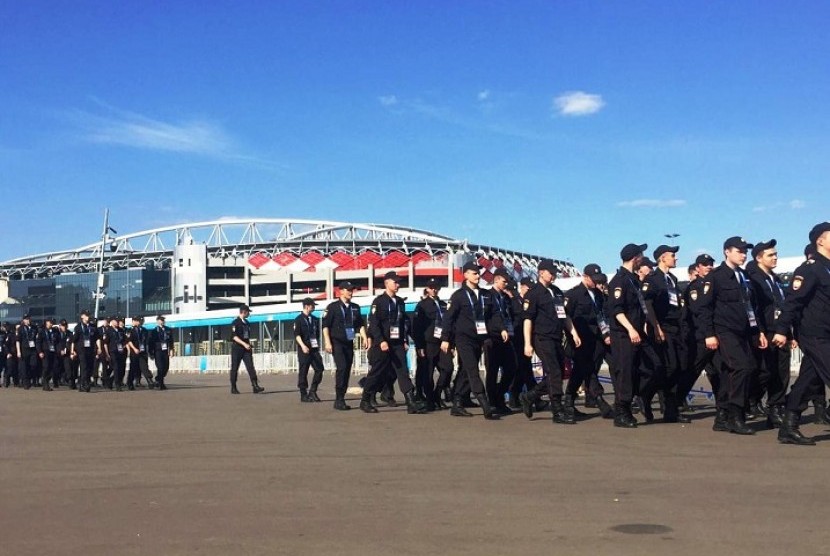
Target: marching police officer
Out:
[730,324]
[342,322]
[585,305]
[241,351]
[47,350]
[4,355]
[773,362]
[465,321]
[545,322]
[115,350]
[307,338]
[137,341]
[161,350]
[27,352]
[499,354]
[807,307]
[388,329]
[524,378]
[426,332]
[628,313]
[85,344]
[66,365]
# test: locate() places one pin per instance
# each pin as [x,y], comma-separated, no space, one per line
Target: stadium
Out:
[199,273]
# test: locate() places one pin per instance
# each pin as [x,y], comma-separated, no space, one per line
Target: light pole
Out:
[671,238]
[99,288]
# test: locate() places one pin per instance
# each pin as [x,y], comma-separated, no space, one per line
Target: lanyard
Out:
[393,309]
[640,297]
[771,282]
[85,330]
[473,306]
[351,316]
[438,307]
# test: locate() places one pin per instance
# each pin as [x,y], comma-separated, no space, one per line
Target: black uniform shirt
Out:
[47,340]
[691,309]
[115,340]
[307,328]
[343,320]
[586,309]
[625,298]
[27,336]
[807,305]
[501,317]
[137,336]
[727,303]
[545,308]
[428,316]
[465,309]
[84,336]
[241,330]
[769,295]
[3,339]
[64,339]
[661,289]
[161,341]
[387,320]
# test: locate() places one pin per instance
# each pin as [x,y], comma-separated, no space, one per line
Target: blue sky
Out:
[559,128]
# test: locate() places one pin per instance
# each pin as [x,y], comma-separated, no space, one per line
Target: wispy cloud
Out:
[795,204]
[484,95]
[578,103]
[652,203]
[113,126]
[388,100]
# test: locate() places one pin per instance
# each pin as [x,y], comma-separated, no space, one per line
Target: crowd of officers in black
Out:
[53,356]
[738,322]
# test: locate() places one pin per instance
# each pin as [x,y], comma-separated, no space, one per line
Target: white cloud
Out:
[484,95]
[652,203]
[578,103]
[388,100]
[796,204]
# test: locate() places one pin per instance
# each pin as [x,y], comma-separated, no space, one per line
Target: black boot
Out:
[561,413]
[458,408]
[605,409]
[775,416]
[636,405]
[736,424]
[570,407]
[528,401]
[312,395]
[671,411]
[448,397]
[436,397]
[234,390]
[256,387]
[340,401]
[789,432]
[755,411]
[304,396]
[661,402]
[489,414]
[645,406]
[821,412]
[414,406]
[130,386]
[366,403]
[623,417]
[720,421]
[591,402]
[46,387]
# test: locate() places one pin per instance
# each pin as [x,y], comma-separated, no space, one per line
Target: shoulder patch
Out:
[797,281]
[645,286]
[325,312]
[374,309]
[706,286]
[448,304]
[811,261]
[617,293]
[525,305]
[693,295]
[566,302]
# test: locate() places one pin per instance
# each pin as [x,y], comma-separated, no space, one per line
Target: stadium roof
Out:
[246,238]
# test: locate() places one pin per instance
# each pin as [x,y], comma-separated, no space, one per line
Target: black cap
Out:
[817,230]
[594,272]
[24,317]
[526,282]
[243,308]
[647,262]
[471,265]
[346,285]
[136,318]
[433,283]
[705,260]
[664,249]
[763,246]
[738,243]
[84,312]
[547,264]
[161,318]
[511,284]
[632,250]
[691,268]
[392,275]
[309,301]
[502,272]
[810,251]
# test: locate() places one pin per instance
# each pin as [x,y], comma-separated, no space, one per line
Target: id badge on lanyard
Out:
[750,315]
[163,340]
[31,343]
[394,332]
[603,326]
[481,327]
[350,333]
[437,332]
[673,298]
[313,342]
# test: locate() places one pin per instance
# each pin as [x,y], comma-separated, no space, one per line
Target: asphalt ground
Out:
[194,470]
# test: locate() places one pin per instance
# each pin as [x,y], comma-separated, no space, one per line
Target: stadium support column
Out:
[450,272]
[288,296]
[371,271]
[330,283]
[247,285]
[411,268]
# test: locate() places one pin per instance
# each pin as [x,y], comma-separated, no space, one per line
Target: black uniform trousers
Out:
[814,366]
[12,374]
[383,363]
[49,368]
[468,378]
[650,376]
[4,375]
[433,359]
[86,362]
[498,355]
[312,359]
[524,379]
[737,363]
[552,356]
[343,353]
[238,355]
[773,376]
[625,362]
[587,361]
[28,368]
[162,359]
[671,352]
[699,359]
[118,362]
[70,369]
[139,366]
